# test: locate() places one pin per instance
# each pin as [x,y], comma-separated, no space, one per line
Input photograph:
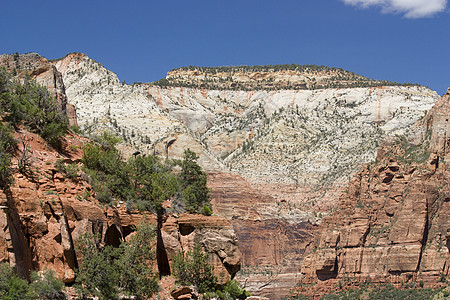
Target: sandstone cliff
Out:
[280,143]
[45,211]
[303,139]
[279,147]
[392,223]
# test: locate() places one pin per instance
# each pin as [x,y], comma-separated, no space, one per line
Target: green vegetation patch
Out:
[31,105]
[145,182]
[43,286]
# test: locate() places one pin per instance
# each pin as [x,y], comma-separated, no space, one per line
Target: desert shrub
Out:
[193,269]
[31,105]
[47,286]
[12,287]
[42,287]
[195,194]
[69,170]
[232,290]
[127,269]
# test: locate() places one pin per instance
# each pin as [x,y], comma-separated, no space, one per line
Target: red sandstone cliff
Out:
[44,213]
[393,222]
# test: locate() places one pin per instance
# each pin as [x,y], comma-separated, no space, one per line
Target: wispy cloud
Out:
[410,8]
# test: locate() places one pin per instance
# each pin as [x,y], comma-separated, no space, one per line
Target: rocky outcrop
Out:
[45,212]
[392,223]
[214,234]
[45,74]
[290,150]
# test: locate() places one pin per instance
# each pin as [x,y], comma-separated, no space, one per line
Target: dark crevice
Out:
[186,229]
[328,273]
[127,230]
[424,239]
[364,237]
[394,168]
[21,247]
[161,254]
[72,256]
[113,237]
[53,211]
[388,178]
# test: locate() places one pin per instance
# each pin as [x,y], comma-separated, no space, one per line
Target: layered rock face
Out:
[272,238]
[278,154]
[392,224]
[45,74]
[45,212]
[215,234]
[299,138]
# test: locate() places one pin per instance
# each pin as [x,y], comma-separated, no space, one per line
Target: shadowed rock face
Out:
[392,223]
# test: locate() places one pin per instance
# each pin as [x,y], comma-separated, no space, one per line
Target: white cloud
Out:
[410,8]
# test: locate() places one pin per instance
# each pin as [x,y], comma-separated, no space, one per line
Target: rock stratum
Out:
[279,143]
[45,212]
[392,223]
[279,154]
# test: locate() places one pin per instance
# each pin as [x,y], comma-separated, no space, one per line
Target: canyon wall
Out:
[45,212]
[278,148]
[279,145]
[392,223]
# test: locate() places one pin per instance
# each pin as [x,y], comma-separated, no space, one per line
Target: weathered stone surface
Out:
[182,292]
[393,222]
[41,220]
[214,234]
[299,144]
[271,239]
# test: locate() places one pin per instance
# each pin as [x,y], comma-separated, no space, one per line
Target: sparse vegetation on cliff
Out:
[42,287]
[380,292]
[229,78]
[145,182]
[7,145]
[127,269]
[31,105]
[193,269]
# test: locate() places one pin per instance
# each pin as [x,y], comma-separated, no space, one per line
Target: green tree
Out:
[97,275]
[12,287]
[127,269]
[193,269]
[46,286]
[154,183]
[139,252]
[7,146]
[195,194]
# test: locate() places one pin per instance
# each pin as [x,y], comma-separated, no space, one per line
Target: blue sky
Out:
[141,40]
